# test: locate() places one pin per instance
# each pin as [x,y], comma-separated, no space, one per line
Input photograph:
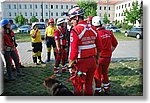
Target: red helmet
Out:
[51,21]
[89,18]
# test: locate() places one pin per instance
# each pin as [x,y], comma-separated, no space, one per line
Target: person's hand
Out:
[72,71]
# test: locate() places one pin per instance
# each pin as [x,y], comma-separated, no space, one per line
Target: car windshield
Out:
[24,26]
[139,29]
[41,26]
[114,27]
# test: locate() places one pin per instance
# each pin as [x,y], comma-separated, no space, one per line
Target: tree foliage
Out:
[134,13]
[90,7]
[33,19]
[20,19]
[105,19]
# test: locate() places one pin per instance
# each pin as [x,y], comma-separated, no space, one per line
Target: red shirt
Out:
[8,39]
[107,40]
[59,34]
[83,41]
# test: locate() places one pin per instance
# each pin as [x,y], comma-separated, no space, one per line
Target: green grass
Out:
[122,37]
[125,81]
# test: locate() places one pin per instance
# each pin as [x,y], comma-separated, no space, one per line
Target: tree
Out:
[33,19]
[20,19]
[90,7]
[134,13]
[105,19]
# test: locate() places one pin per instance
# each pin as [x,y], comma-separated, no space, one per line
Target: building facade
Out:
[45,9]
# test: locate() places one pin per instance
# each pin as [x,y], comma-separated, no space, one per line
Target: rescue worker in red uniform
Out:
[8,49]
[60,40]
[89,20]
[108,44]
[83,44]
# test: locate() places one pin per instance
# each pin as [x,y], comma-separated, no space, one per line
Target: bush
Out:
[126,26]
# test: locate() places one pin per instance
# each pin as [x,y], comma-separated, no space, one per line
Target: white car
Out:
[24,29]
[113,29]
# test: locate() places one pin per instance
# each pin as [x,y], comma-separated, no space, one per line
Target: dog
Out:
[56,88]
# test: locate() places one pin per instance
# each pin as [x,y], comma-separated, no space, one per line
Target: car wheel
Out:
[126,34]
[138,36]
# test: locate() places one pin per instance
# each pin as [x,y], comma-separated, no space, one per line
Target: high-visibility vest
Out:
[87,37]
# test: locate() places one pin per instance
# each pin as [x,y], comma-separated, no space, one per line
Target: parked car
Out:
[135,32]
[24,29]
[42,28]
[113,29]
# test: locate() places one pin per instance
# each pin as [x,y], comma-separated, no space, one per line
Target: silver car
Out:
[135,32]
[24,29]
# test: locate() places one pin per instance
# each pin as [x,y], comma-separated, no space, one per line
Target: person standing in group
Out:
[83,46]
[49,36]
[89,20]
[36,44]
[8,49]
[108,43]
[60,40]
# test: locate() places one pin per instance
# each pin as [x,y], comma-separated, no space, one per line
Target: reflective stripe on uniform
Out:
[87,47]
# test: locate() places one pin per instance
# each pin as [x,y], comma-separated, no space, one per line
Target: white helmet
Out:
[97,21]
[60,21]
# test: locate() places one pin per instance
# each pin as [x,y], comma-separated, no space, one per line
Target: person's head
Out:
[61,22]
[76,14]
[51,22]
[34,26]
[11,22]
[5,24]
[97,21]
[89,20]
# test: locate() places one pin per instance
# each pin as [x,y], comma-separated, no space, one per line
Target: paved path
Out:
[125,50]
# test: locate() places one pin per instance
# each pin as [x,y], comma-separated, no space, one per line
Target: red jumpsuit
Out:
[107,41]
[59,35]
[83,44]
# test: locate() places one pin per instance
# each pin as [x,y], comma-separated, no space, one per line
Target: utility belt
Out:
[105,57]
[8,48]
[86,57]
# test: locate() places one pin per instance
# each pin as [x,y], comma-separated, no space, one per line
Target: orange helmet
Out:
[89,18]
[51,21]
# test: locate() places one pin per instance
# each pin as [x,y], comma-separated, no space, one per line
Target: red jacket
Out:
[107,40]
[59,34]
[83,41]
[8,39]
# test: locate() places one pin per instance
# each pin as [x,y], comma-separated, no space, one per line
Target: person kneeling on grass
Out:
[36,44]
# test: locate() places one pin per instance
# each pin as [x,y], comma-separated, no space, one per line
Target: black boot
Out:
[40,60]
[55,55]
[35,60]
[48,56]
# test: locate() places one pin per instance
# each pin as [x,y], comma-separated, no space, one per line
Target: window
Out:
[66,6]
[109,15]
[9,6]
[41,6]
[56,6]
[51,14]
[122,6]
[46,14]
[9,14]
[61,6]
[116,15]
[100,8]
[41,14]
[51,6]
[30,14]
[125,5]
[129,5]
[122,14]
[30,6]
[36,14]
[19,6]
[105,8]
[46,6]
[119,14]
[14,6]
[119,7]
[25,13]
[15,14]
[36,6]
[56,14]
[25,6]
[71,6]
[109,8]
[100,14]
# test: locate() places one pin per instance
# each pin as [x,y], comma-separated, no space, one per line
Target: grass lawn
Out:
[126,79]
[26,37]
